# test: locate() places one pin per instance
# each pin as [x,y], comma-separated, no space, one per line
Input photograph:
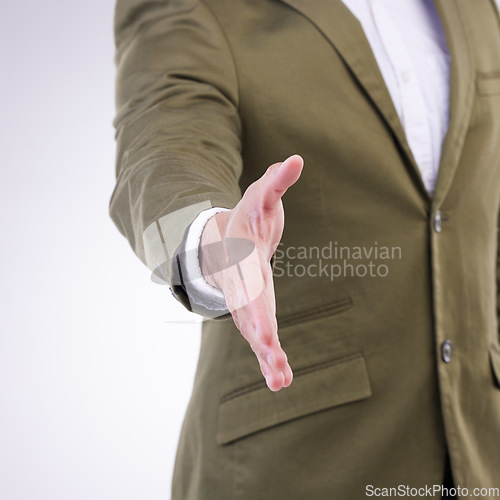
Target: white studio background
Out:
[96,364]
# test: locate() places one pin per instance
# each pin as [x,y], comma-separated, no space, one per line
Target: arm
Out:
[178,133]
[176,93]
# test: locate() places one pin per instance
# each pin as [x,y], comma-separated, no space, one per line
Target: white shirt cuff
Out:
[198,289]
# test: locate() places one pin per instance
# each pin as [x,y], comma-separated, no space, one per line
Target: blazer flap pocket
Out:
[313,389]
[495,362]
[488,83]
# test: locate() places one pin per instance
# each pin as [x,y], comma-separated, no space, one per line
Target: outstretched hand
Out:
[248,287]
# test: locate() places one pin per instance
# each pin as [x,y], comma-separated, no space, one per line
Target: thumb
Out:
[280,178]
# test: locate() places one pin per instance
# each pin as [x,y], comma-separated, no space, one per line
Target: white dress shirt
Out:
[409,45]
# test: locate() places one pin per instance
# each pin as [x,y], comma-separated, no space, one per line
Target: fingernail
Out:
[283,162]
[270,359]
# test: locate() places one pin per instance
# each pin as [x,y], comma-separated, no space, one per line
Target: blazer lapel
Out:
[345,33]
[462,85]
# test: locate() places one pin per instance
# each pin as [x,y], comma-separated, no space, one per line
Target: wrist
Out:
[211,256]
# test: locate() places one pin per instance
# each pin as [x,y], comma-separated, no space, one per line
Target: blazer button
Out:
[447,351]
[437,221]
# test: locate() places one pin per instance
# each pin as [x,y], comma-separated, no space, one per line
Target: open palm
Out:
[248,287]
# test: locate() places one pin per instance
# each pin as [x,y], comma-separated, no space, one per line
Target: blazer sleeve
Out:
[177,127]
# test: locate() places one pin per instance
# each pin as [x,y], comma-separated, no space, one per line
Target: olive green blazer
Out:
[396,358]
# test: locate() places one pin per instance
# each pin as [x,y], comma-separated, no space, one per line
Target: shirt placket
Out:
[412,107]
